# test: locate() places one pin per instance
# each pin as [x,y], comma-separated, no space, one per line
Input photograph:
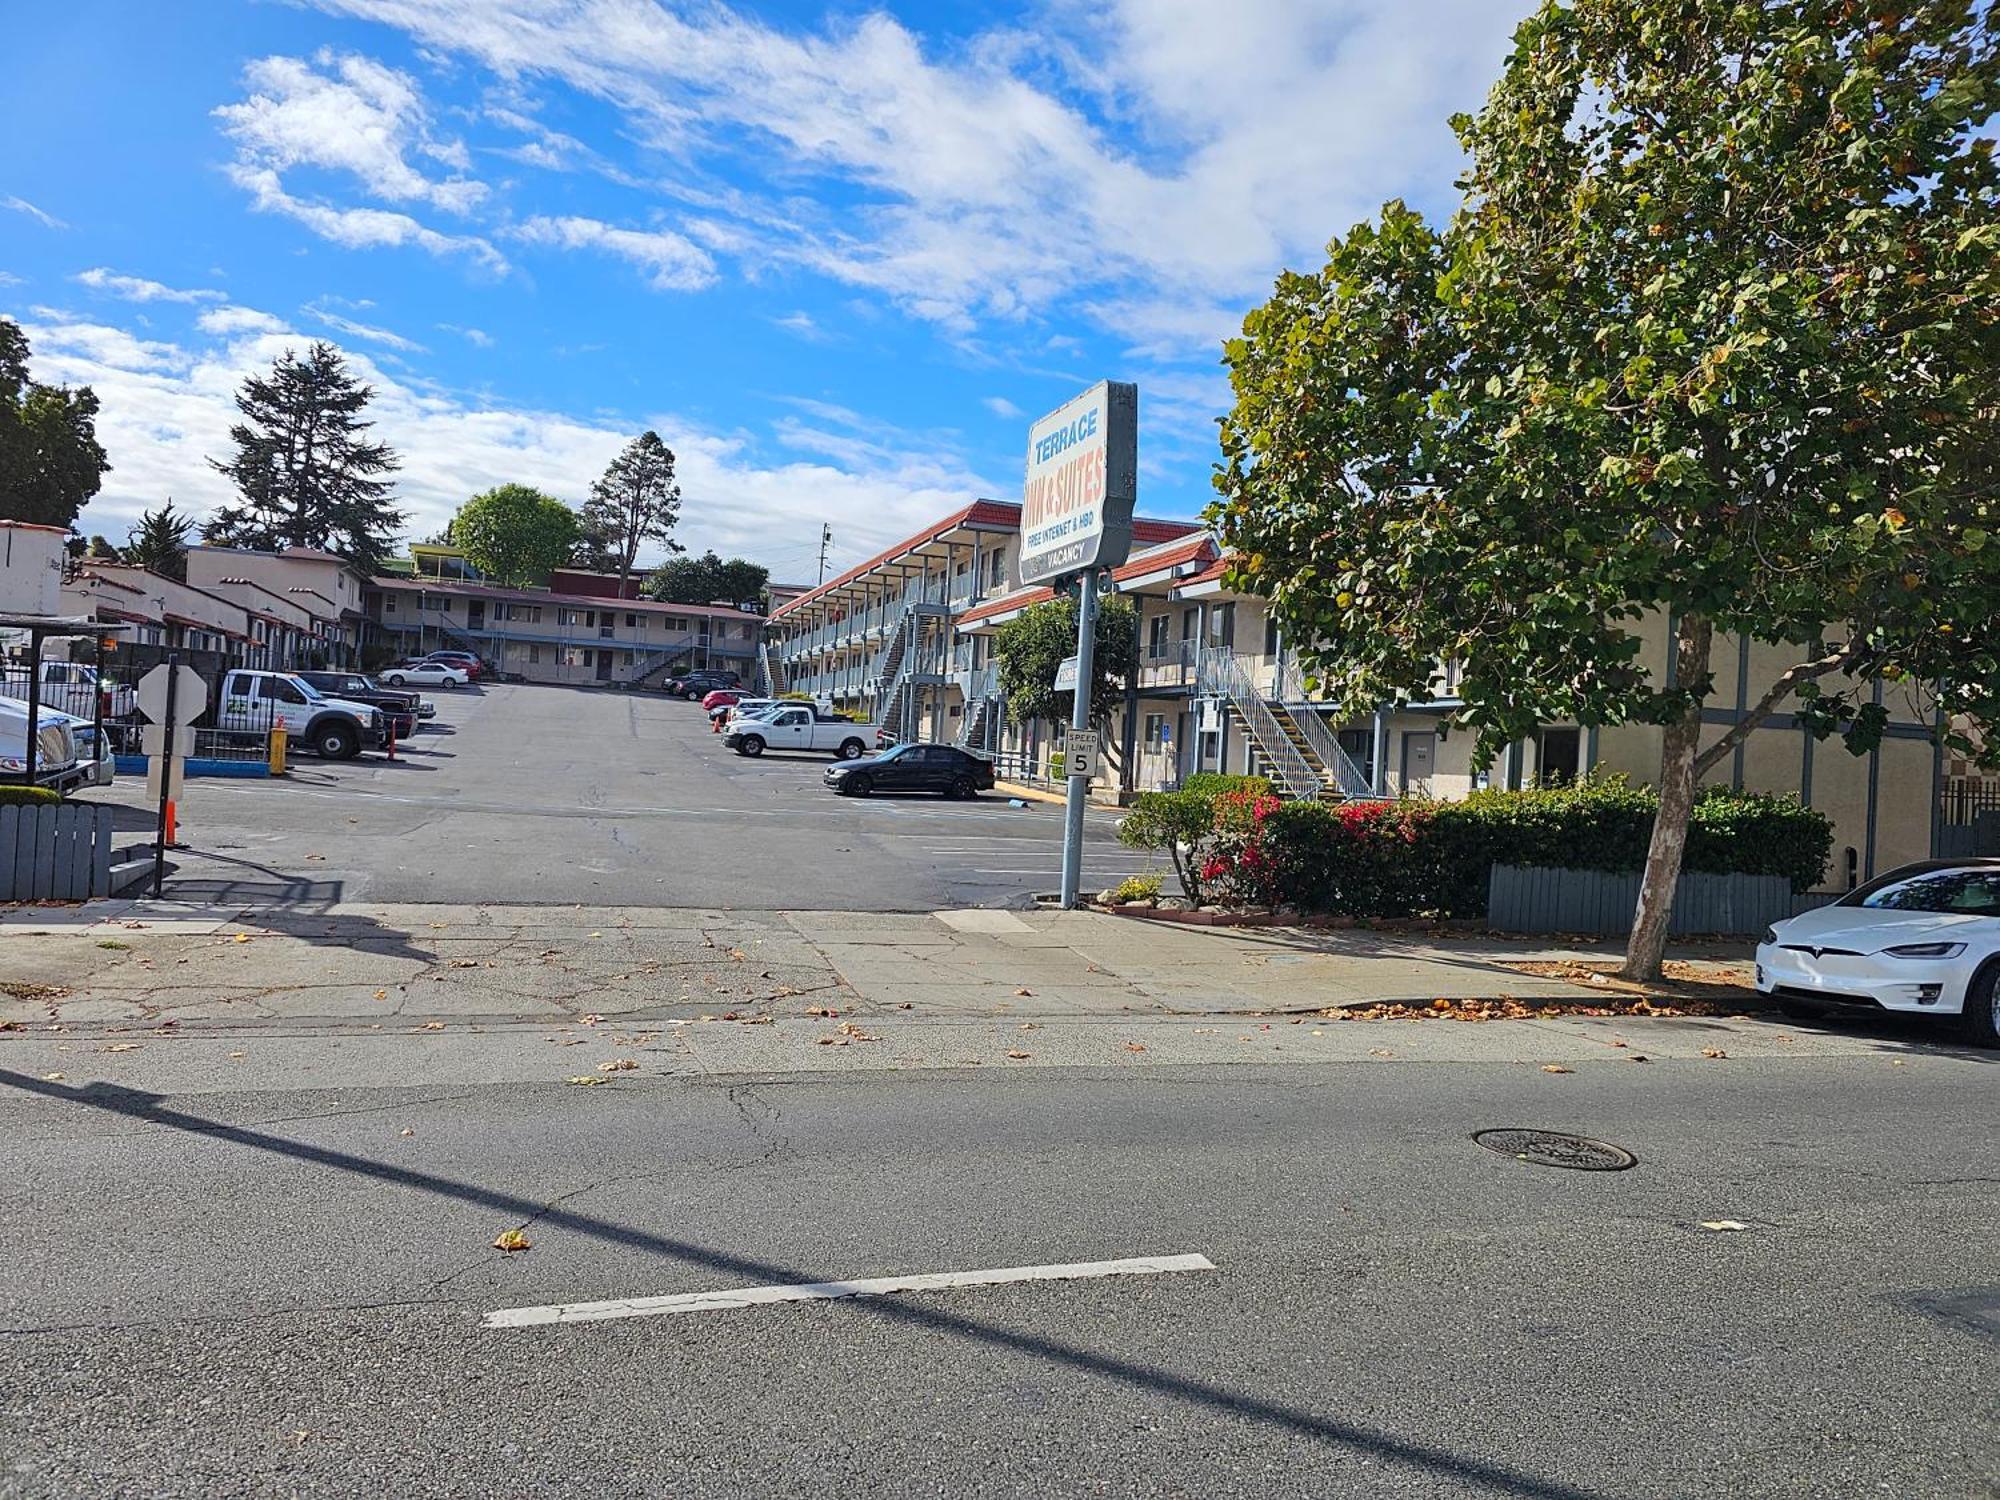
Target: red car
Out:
[465,661]
[722,698]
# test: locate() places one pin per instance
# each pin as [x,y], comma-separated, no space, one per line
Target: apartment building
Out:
[883,636]
[546,635]
[326,586]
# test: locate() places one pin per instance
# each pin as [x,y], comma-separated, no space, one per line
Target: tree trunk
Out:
[1648,944]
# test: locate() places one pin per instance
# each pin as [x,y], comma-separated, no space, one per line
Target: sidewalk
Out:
[175,999]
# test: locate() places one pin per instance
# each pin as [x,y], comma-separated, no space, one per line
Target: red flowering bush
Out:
[1240,867]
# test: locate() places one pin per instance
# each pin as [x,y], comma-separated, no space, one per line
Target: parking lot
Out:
[550,794]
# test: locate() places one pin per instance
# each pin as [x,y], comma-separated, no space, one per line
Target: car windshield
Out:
[1973,892]
[313,694]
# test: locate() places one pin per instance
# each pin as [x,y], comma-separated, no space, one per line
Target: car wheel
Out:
[859,785]
[751,746]
[852,749]
[395,679]
[337,742]
[962,790]
[1980,1020]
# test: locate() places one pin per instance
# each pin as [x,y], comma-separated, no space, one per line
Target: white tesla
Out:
[1923,939]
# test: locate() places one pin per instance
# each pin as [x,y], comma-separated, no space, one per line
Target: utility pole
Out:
[825,541]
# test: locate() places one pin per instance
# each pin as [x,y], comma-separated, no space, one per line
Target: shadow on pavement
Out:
[146,1107]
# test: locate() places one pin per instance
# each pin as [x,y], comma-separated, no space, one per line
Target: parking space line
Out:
[825,1291]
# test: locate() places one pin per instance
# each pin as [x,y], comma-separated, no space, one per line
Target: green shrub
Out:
[1138,888]
[27,796]
[1216,783]
[1182,823]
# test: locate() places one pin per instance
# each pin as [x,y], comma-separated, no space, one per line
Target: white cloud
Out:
[364,331]
[40,216]
[139,289]
[359,228]
[166,408]
[357,117]
[1000,406]
[479,338]
[230,322]
[673,263]
[8,278]
[804,326]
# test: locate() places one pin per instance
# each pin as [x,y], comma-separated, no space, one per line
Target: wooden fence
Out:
[59,852]
[1528,899]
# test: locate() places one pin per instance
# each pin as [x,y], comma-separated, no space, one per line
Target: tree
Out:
[96,549]
[706,579]
[515,534]
[50,460]
[160,541]
[637,501]
[1711,338]
[307,474]
[1032,645]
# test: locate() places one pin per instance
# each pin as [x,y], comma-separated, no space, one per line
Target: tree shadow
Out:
[1423,1457]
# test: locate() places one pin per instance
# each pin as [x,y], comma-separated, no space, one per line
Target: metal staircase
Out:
[979,725]
[770,675]
[892,678]
[1306,728]
[652,664]
[1282,744]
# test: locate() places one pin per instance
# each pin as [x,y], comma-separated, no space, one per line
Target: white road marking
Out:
[824,1291]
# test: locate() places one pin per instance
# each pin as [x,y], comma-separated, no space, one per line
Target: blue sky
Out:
[838,255]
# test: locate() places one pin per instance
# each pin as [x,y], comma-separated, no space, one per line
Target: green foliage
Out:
[50,461]
[707,579]
[1145,887]
[1030,647]
[303,466]
[27,796]
[1715,333]
[160,541]
[1182,823]
[637,500]
[514,534]
[1215,783]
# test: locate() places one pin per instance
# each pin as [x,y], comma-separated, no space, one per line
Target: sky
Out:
[838,255]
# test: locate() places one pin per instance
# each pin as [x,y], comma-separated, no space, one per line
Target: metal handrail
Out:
[1221,673]
[1339,764]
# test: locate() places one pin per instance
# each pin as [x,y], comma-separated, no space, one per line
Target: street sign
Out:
[153,739]
[174,769]
[189,701]
[1082,481]
[1066,675]
[1080,748]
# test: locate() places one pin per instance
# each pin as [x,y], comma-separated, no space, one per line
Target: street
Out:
[282,1291]
[532,794]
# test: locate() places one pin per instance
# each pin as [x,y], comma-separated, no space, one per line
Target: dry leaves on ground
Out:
[586,1080]
[119,1047]
[432,1026]
[590,1020]
[1135,1046]
[1556,1068]
[1508,1008]
[1724,1225]
[1713,1052]
[511,1240]
[822,1010]
[1017,1056]
[617,1065]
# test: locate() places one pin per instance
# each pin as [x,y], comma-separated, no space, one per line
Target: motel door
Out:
[1419,761]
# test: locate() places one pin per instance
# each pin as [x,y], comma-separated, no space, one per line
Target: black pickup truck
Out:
[400,709]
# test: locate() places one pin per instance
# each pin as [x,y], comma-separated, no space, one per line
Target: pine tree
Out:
[307,475]
[636,501]
[160,541]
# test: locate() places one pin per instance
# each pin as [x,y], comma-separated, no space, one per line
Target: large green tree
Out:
[305,470]
[707,579]
[1712,338]
[160,541]
[637,500]
[1030,647]
[50,461]
[515,534]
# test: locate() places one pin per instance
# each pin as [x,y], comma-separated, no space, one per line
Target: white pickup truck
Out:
[72,686]
[801,728]
[336,728]
[66,753]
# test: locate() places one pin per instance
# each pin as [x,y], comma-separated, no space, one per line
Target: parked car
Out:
[800,727]
[66,753]
[465,661]
[700,684]
[743,708]
[944,769]
[721,698]
[1922,940]
[334,727]
[426,674]
[73,686]
[400,709]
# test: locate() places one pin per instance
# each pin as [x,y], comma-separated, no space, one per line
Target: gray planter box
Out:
[60,853]
[1530,899]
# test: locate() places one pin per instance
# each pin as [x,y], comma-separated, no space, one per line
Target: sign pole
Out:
[165,760]
[1079,785]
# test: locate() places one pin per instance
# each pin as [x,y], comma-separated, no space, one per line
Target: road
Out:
[284,1292]
[547,794]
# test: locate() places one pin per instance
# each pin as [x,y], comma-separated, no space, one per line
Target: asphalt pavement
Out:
[525,794]
[287,1292]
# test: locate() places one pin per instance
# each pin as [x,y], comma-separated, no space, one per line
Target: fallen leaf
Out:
[1017,1056]
[53,1077]
[406,1131]
[587,1080]
[1713,1052]
[589,1020]
[593,934]
[381,994]
[119,1047]
[315,856]
[730,1015]
[617,1065]
[834,1041]
[1135,1046]
[238,1055]
[511,1240]
[1029,993]
[241,937]
[738,954]
[757,1021]
[432,1026]
[1380,1052]
[1029,1026]
[1556,1068]
[1619,1042]
[1723,1224]
[855,1033]
[822,1010]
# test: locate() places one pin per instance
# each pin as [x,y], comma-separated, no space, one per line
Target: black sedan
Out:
[913,768]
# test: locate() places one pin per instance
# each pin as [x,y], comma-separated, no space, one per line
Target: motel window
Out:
[534,654]
[388,604]
[1156,637]
[1189,622]
[1156,732]
[631,623]
[1270,635]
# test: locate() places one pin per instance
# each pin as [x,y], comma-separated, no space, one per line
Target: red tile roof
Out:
[466,588]
[1152,560]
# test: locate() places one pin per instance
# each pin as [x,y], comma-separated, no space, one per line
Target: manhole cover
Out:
[1551,1148]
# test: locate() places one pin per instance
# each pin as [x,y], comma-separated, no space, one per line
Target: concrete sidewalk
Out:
[175,999]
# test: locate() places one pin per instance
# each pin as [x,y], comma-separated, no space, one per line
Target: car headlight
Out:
[1926,950]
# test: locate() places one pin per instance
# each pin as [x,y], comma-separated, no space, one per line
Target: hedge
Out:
[1388,859]
[27,796]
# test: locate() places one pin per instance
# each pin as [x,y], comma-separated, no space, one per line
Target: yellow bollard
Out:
[277,749]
